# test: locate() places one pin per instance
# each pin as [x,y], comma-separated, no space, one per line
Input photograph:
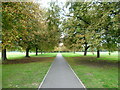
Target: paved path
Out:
[61,75]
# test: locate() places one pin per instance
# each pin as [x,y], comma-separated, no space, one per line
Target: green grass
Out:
[46,55]
[94,76]
[20,55]
[16,55]
[25,75]
[71,55]
[104,55]
[113,56]
[28,75]
[97,77]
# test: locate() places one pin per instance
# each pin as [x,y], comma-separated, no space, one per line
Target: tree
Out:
[9,32]
[19,25]
[53,26]
[90,22]
[105,32]
[79,22]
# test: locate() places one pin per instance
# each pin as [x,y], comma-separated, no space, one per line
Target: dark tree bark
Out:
[27,52]
[36,51]
[98,53]
[85,52]
[4,56]
[86,48]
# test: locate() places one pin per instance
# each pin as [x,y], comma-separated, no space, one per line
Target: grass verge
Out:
[25,72]
[104,56]
[20,55]
[94,75]
[24,75]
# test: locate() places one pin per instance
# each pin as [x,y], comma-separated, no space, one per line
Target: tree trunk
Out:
[98,53]
[85,52]
[86,48]
[36,51]
[27,52]
[4,56]
[109,53]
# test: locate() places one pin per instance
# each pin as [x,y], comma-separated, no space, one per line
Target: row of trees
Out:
[88,25]
[92,25]
[25,25]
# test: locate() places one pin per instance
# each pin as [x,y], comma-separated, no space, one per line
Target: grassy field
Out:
[19,55]
[24,75]
[28,73]
[45,55]
[95,74]
[103,55]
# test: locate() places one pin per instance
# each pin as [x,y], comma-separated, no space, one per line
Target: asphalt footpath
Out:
[60,75]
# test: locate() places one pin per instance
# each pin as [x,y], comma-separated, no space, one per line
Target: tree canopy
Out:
[92,25]
[86,26]
[25,25]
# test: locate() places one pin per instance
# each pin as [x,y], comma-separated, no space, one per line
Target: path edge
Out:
[45,75]
[76,75]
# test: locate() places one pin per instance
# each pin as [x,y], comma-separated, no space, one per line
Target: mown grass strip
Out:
[28,75]
[95,75]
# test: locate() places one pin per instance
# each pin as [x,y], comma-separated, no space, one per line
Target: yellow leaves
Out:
[79,35]
[30,26]
[8,38]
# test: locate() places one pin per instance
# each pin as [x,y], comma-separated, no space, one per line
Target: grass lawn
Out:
[25,72]
[103,55]
[94,74]
[24,75]
[71,54]
[46,55]
[19,55]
